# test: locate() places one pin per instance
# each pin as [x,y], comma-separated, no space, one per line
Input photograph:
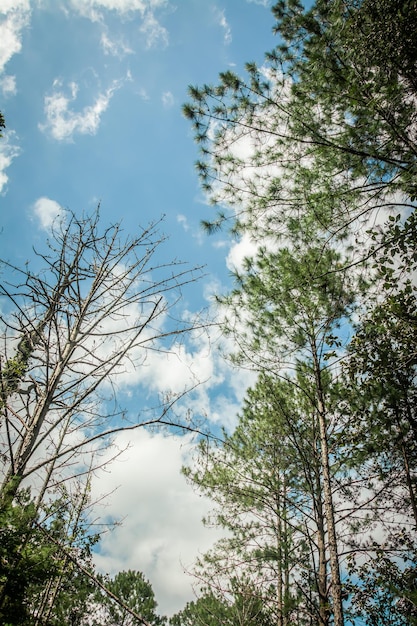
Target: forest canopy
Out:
[313,156]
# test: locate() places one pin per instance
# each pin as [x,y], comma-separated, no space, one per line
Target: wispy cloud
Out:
[14,17]
[167,99]
[222,21]
[63,123]
[114,47]
[46,212]
[9,150]
[264,3]
[181,219]
[8,85]
[94,8]
[195,230]
[154,33]
[143,94]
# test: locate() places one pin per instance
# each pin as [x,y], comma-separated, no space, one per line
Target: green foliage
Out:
[330,117]
[353,70]
[265,481]
[208,610]
[327,131]
[45,555]
[135,591]
[70,597]
[242,607]
[382,367]
[27,559]
[387,589]
[11,375]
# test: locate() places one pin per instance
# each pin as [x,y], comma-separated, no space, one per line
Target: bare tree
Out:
[74,329]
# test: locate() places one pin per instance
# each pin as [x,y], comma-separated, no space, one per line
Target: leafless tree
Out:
[72,331]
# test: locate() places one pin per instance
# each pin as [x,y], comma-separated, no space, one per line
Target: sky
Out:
[91,91]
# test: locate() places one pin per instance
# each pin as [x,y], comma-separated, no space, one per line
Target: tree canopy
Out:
[313,156]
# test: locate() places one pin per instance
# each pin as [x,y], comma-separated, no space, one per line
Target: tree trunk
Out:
[328,498]
[322,586]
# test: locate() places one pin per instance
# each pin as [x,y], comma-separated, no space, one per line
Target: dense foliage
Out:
[313,157]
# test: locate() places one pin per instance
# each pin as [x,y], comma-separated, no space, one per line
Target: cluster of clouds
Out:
[14,18]
[162,515]
[62,123]
[194,360]
[162,524]
[143,487]
[62,120]
[161,532]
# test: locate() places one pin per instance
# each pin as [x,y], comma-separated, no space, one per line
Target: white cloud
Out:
[8,85]
[155,34]
[167,99]
[143,94]
[162,531]
[264,3]
[181,219]
[63,123]
[14,17]
[194,362]
[222,21]
[9,150]
[197,232]
[46,211]
[92,8]
[113,47]
[167,369]
[245,248]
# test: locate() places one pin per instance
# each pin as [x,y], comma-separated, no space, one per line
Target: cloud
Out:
[196,231]
[181,219]
[161,532]
[93,9]
[113,47]
[167,99]
[9,150]
[222,21]
[245,248]
[155,34]
[63,123]
[162,529]
[165,367]
[46,211]
[264,3]
[153,31]
[8,85]
[143,94]
[14,17]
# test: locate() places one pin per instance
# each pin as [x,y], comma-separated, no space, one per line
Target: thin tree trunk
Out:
[322,587]
[410,484]
[328,498]
[286,559]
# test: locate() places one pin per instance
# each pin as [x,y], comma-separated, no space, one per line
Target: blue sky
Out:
[93,106]
[91,91]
